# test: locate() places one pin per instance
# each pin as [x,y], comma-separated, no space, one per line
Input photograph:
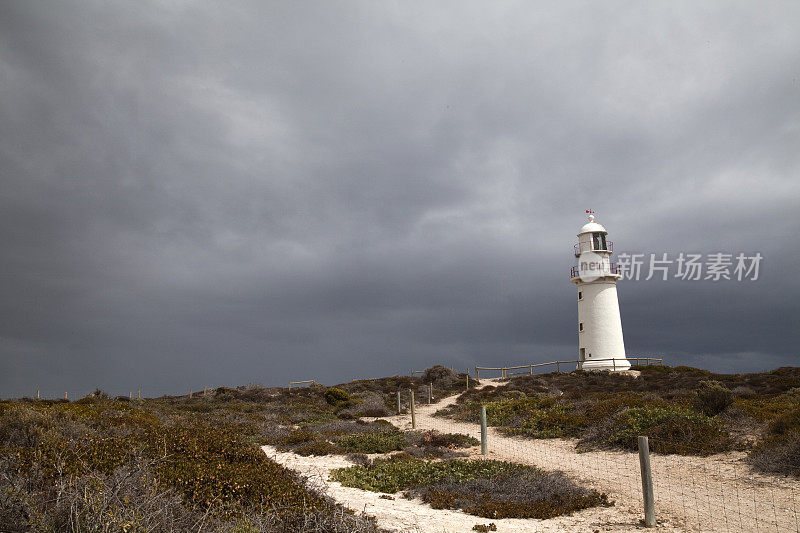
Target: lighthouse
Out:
[600,344]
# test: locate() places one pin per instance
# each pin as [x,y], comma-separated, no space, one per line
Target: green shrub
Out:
[526,496]
[316,447]
[336,396]
[767,409]
[712,397]
[393,475]
[671,430]
[447,440]
[373,442]
[560,420]
[299,436]
[778,451]
[492,489]
[507,411]
[216,469]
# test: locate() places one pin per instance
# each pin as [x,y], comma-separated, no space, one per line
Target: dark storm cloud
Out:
[196,195]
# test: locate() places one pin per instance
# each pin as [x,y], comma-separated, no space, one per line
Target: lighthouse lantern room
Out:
[600,343]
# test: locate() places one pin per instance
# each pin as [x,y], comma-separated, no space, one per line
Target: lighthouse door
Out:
[583,355]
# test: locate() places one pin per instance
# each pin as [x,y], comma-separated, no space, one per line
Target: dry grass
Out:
[101,465]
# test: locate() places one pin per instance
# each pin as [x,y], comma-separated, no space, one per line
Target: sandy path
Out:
[402,514]
[717,493]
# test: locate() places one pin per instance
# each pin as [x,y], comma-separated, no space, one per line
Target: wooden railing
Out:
[506,371]
[311,381]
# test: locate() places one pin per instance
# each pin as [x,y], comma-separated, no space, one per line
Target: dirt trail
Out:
[717,493]
[401,514]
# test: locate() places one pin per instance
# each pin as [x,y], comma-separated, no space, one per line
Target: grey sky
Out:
[195,194]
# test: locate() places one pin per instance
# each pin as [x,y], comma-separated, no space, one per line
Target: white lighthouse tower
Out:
[600,344]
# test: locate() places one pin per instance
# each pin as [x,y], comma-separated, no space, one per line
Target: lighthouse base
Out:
[610,365]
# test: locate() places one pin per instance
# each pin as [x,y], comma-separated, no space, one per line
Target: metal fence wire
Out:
[692,492]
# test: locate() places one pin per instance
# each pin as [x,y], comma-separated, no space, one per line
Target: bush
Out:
[100,465]
[374,442]
[372,405]
[432,444]
[528,496]
[317,447]
[299,436]
[396,474]
[447,440]
[94,502]
[712,397]
[779,451]
[493,489]
[336,396]
[358,458]
[671,430]
[511,411]
[440,375]
[778,455]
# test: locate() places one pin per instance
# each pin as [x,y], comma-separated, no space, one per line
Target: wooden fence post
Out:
[484,444]
[399,410]
[647,482]
[467,379]
[413,414]
[430,393]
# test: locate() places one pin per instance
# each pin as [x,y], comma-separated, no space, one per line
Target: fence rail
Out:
[506,371]
[311,381]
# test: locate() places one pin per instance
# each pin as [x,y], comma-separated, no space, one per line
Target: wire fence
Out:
[692,492]
[73,394]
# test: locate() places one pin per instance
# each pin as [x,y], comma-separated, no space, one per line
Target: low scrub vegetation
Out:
[379,437]
[683,410]
[492,489]
[376,442]
[101,465]
[182,463]
[671,429]
[779,450]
